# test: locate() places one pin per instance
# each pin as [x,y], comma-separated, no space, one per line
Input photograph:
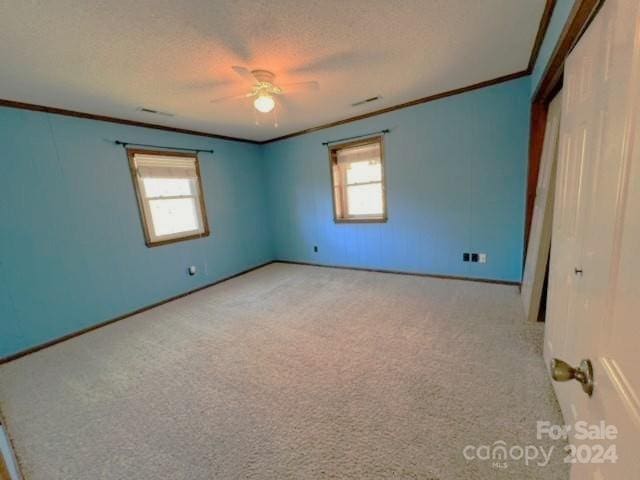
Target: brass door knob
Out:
[561,371]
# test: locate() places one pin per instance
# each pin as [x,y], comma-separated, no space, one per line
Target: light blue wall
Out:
[72,251]
[557,23]
[456,174]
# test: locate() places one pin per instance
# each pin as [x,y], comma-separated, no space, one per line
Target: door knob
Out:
[561,371]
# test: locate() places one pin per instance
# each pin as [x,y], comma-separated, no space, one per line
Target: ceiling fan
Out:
[264,91]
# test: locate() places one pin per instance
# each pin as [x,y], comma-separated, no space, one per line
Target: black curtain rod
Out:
[386,130]
[197,150]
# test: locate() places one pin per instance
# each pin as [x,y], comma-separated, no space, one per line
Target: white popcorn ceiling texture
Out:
[109,57]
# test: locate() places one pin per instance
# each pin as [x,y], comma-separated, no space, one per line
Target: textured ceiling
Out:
[110,57]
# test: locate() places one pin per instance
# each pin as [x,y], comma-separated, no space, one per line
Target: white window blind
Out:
[153,166]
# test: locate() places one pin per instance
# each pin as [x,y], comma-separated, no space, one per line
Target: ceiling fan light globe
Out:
[264,103]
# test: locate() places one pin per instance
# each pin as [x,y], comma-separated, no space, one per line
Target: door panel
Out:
[594,314]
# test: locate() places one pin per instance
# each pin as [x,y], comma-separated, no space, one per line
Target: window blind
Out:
[362,153]
[148,166]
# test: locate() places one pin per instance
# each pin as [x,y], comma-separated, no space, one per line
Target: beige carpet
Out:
[290,372]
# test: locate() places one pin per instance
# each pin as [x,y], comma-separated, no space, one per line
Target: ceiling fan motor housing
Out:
[263,76]
[265,84]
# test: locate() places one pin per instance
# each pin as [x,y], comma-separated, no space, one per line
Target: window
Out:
[358,181]
[170,196]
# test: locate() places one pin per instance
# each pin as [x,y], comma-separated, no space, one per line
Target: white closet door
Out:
[594,290]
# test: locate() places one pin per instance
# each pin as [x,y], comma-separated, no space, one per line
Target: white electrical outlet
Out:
[482,258]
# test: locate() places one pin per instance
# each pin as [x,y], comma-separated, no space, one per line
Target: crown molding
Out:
[412,103]
[134,123]
[122,121]
[542,31]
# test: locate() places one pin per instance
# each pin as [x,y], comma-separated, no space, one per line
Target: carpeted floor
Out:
[291,372]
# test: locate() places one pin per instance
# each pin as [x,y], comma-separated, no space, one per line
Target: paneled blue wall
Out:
[456,174]
[72,252]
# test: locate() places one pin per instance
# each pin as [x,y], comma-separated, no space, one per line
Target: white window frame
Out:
[151,239]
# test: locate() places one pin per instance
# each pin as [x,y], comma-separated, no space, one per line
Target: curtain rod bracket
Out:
[386,130]
[125,144]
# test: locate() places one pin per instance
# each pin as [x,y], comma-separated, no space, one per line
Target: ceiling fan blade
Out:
[231,97]
[300,87]
[244,73]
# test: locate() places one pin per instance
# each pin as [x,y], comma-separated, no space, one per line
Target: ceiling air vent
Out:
[154,112]
[367,100]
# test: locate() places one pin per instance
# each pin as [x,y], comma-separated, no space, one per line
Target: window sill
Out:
[361,220]
[168,241]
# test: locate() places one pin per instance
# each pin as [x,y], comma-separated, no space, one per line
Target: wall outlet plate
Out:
[465,257]
[482,257]
[192,270]
[474,257]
